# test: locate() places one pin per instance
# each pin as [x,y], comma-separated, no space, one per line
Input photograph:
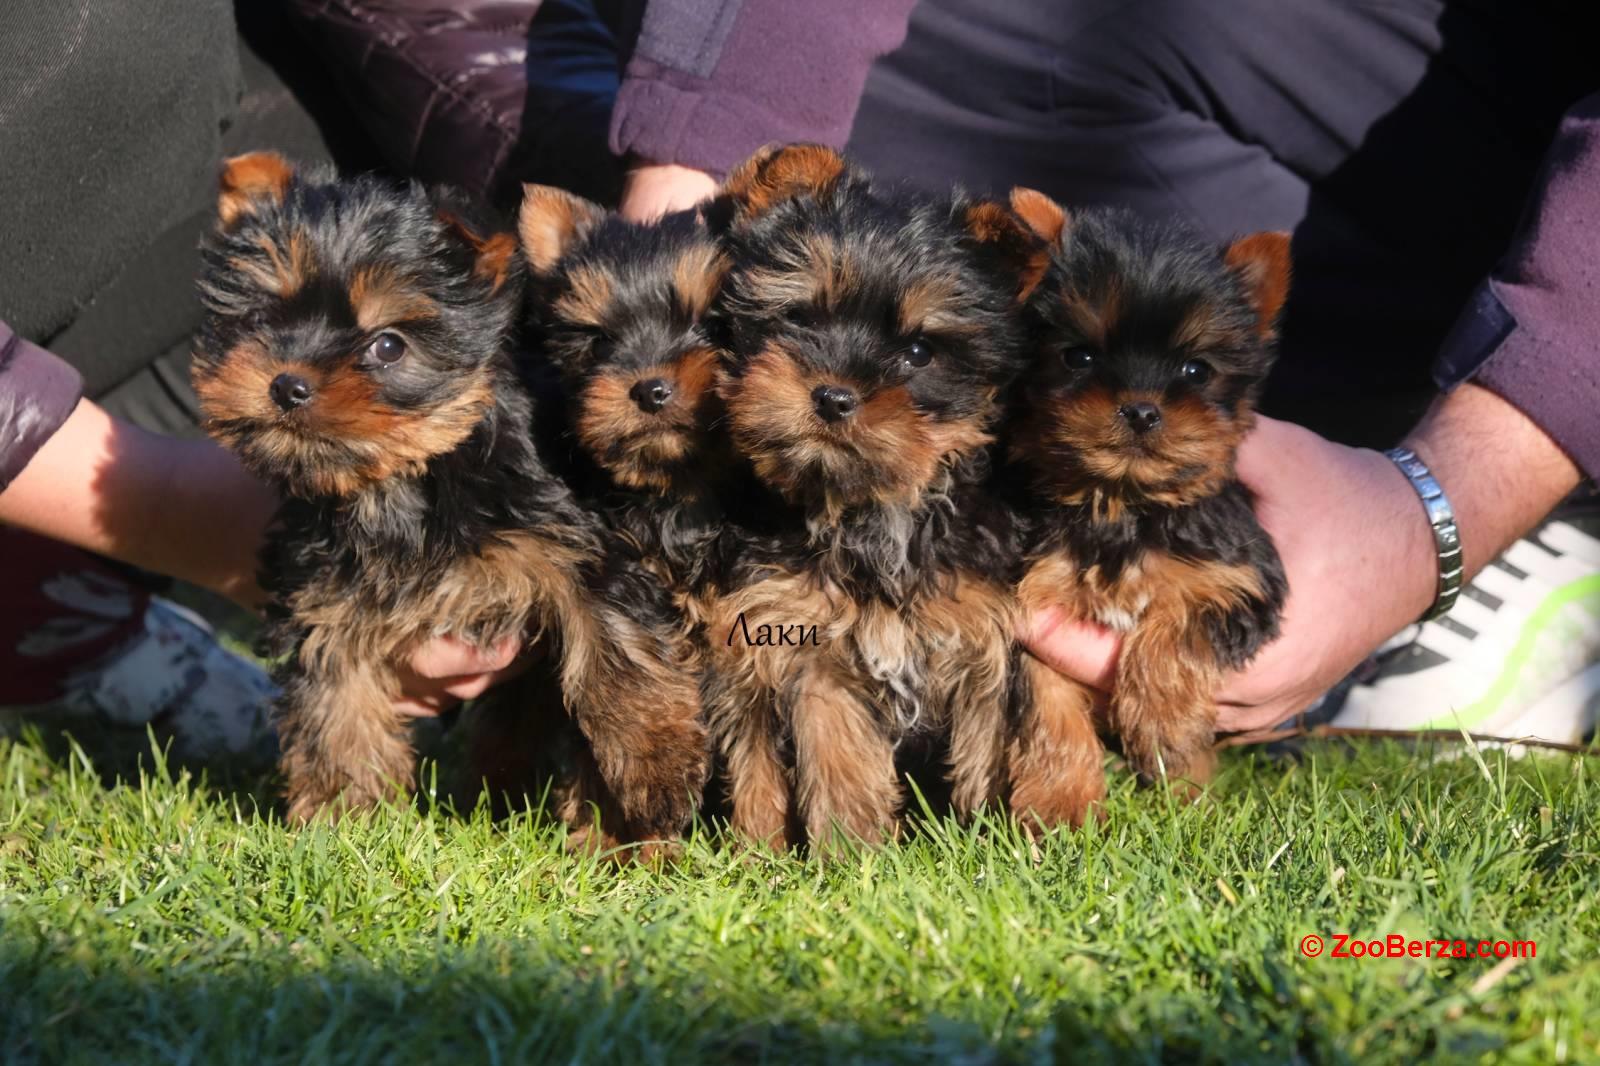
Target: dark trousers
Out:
[1397,140]
[113,121]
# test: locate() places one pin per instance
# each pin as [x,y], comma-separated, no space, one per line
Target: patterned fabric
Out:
[77,634]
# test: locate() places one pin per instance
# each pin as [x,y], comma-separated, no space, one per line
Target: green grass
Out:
[165,919]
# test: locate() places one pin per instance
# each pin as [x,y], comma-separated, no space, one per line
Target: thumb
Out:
[1082,651]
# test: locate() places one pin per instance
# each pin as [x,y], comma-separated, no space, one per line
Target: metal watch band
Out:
[1446,537]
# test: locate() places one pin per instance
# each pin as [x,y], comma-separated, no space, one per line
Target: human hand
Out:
[650,190]
[1360,559]
[445,671]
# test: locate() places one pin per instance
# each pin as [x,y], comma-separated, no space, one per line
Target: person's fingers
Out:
[451,657]
[447,670]
[651,190]
[1081,650]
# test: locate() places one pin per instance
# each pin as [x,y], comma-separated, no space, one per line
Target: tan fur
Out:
[381,300]
[1189,459]
[1201,331]
[844,765]
[346,749]
[256,177]
[550,221]
[990,223]
[957,647]
[1261,261]
[495,256]
[1094,315]
[1043,215]
[772,417]
[637,707]
[344,408]
[774,174]
[587,298]
[639,447]
[696,277]
[1056,777]
[933,305]
[760,787]
[287,268]
[496,252]
[1164,706]
[970,657]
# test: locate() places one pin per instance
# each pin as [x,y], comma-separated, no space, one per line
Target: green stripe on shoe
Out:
[1485,707]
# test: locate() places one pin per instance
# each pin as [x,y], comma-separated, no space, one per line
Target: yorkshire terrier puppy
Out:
[355,353]
[1150,347]
[615,315]
[619,309]
[868,338]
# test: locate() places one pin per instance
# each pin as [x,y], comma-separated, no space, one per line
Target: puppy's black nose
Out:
[289,391]
[834,403]
[651,394]
[1141,417]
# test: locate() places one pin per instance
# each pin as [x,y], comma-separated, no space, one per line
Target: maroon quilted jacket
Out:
[482,94]
[486,94]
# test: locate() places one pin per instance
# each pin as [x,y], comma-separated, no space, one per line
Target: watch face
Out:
[1483,325]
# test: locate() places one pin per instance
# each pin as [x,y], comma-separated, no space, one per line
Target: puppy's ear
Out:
[696,276]
[494,256]
[250,180]
[1014,247]
[1261,263]
[778,173]
[551,221]
[1040,213]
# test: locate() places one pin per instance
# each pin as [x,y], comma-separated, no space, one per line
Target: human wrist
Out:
[1502,473]
[1412,573]
[1440,514]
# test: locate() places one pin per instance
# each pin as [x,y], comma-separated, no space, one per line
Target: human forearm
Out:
[1503,474]
[179,507]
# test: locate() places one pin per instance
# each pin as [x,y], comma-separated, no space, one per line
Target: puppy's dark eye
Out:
[602,348]
[387,349]
[1195,372]
[918,355]
[1077,358]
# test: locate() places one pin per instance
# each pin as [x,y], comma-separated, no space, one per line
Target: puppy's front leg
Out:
[760,792]
[344,745]
[845,769]
[1164,707]
[1056,772]
[641,714]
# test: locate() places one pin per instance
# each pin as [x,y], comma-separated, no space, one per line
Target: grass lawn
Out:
[165,919]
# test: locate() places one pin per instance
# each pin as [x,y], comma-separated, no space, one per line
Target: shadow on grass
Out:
[511,1002]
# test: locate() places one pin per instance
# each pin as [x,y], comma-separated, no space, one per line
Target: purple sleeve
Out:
[1532,332]
[713,80]
[37,393]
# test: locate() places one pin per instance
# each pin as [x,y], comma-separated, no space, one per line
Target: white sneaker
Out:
[1518,657]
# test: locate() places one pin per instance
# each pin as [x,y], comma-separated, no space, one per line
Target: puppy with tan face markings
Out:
[869,336]
[355,352]
[1150,346]
[619,308]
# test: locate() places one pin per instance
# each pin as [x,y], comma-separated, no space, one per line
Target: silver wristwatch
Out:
[1446,537]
